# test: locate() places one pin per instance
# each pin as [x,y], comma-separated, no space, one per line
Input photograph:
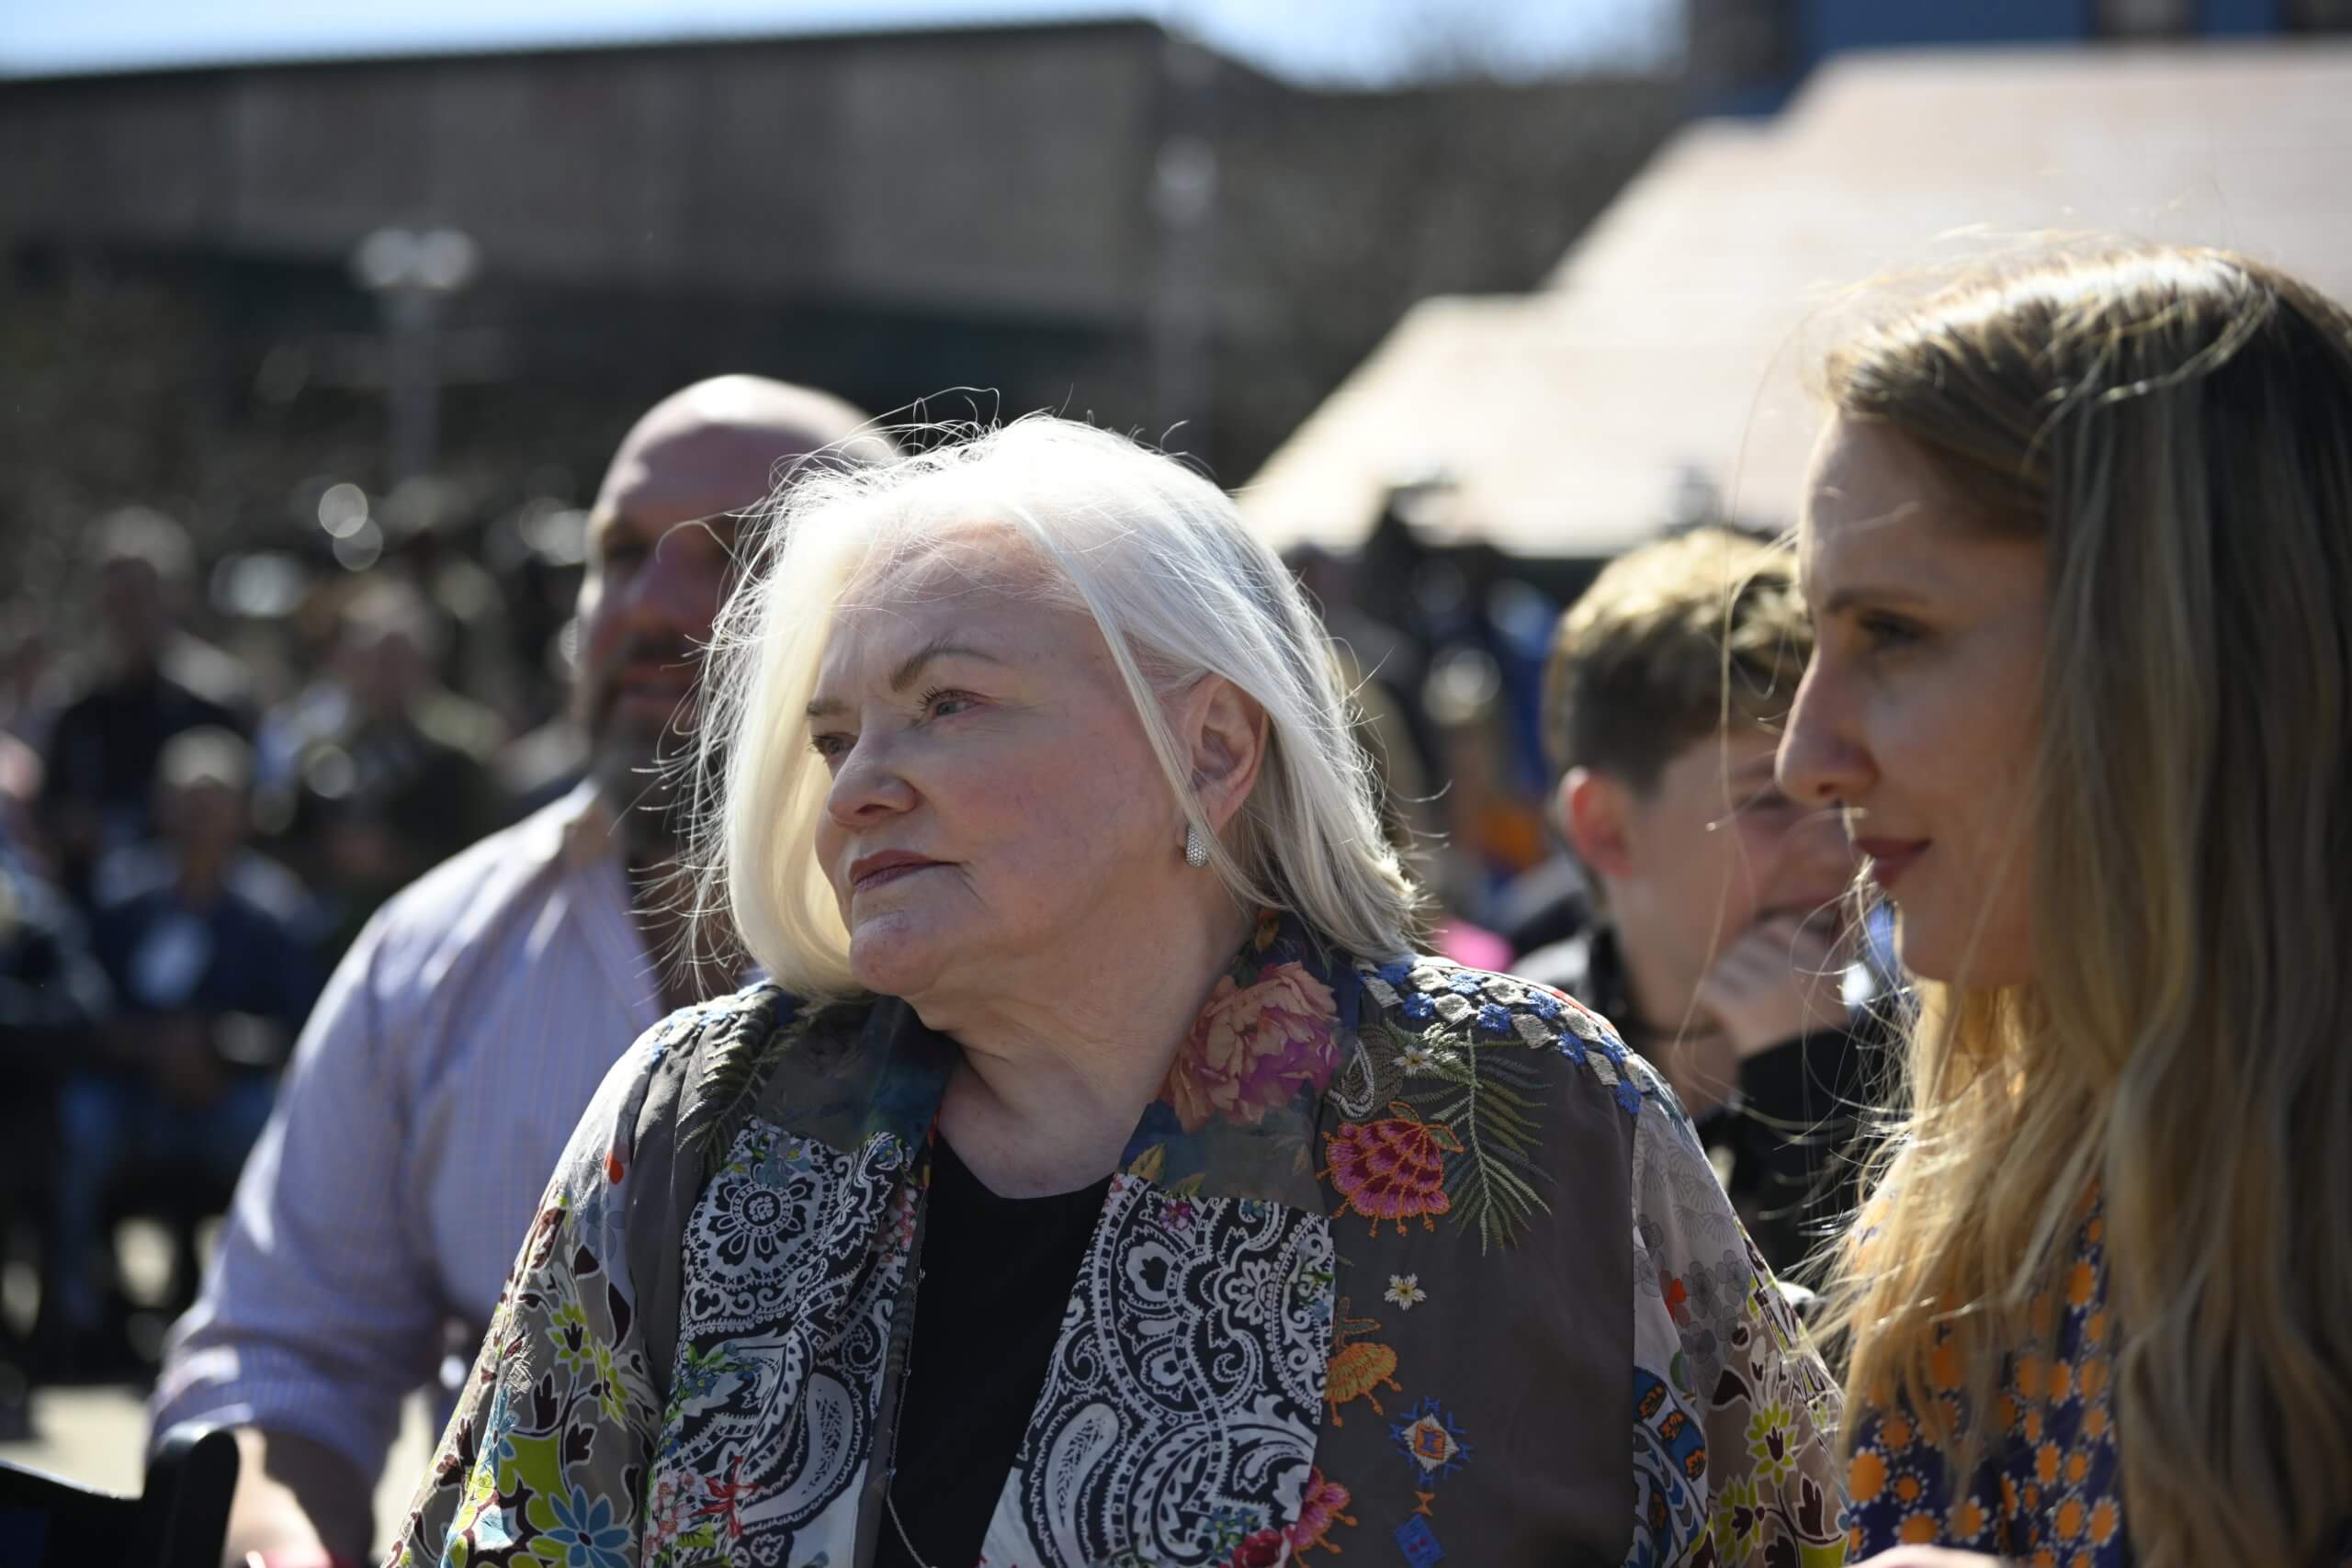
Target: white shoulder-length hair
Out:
[1181,590]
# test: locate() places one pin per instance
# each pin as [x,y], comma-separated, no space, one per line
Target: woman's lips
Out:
[1889,858]
[880,871]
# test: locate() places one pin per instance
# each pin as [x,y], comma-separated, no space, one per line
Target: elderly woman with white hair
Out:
[1101,1178]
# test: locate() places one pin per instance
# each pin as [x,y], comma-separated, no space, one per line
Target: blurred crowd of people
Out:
[199,812]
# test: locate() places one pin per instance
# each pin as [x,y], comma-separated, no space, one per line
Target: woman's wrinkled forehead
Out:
[984,589]
[984,556]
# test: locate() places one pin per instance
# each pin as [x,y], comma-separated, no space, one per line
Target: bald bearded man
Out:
[465,1032]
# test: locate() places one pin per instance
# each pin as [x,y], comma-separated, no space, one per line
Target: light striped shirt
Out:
[434,1087]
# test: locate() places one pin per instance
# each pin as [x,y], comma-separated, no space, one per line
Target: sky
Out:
[1355,43]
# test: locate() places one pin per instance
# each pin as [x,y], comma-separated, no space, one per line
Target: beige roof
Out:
[1676,334]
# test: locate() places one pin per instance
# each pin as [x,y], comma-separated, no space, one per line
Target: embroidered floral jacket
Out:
[1407,1261]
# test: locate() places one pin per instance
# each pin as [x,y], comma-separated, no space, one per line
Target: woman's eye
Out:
[831,746]
[940,705]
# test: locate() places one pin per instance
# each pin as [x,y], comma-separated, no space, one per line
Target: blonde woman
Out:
[2078,545]
[1105,1180]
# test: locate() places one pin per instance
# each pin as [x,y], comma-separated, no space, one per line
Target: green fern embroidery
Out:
[741,1060]
[1487,1097]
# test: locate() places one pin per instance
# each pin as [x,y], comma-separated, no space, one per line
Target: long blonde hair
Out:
[2176,426]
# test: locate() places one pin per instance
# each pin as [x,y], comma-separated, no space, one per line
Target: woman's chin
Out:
[889,959]
[1967,957]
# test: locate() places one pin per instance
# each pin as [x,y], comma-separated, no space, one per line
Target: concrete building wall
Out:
[993,171]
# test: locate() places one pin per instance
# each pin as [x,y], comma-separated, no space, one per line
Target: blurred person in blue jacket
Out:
[211,950]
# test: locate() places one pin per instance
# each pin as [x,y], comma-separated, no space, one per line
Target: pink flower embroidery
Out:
[1261,1549]
[1251,1050]
[1324,1507]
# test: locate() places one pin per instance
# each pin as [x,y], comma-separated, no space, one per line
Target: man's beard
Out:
[637,774]
[642,770]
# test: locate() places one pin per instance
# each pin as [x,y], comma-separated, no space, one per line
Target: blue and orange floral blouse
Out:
[1407,1262]
[2048,1493]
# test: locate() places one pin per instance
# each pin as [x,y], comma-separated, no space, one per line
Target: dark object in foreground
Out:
[179,1521]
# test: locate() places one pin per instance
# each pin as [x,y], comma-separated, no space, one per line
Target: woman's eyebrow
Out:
[909,670]
[1854,593]
[938,647]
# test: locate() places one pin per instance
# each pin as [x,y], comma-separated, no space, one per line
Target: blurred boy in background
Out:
[1715,942]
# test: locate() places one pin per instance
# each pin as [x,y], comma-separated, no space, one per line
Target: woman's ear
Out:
[1225,729]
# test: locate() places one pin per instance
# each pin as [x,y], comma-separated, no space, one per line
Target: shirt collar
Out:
[584,827]
[1237,1112]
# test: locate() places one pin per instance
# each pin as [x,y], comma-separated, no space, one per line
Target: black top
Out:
[996,1273]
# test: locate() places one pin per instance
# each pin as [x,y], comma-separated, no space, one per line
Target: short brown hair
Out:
[1672,641]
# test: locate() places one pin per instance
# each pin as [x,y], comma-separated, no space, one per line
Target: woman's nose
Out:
[867,785]
[1821,759]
